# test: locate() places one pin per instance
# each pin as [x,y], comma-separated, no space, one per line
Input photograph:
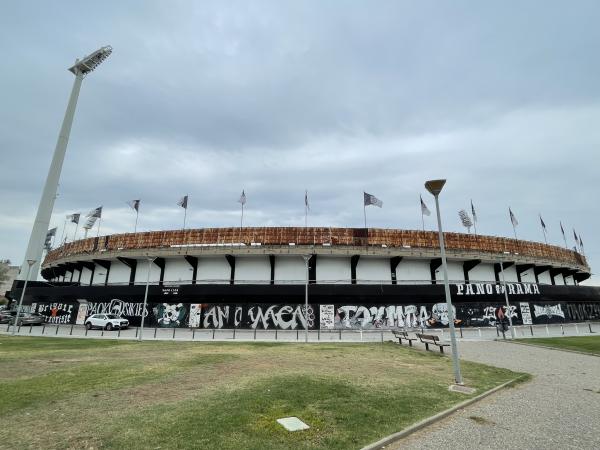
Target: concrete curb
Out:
[553,348]
[436,418]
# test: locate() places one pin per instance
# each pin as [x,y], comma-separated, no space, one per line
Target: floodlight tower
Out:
[80,69]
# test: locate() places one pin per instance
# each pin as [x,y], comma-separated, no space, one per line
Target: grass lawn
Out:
[69,393]
[588,344]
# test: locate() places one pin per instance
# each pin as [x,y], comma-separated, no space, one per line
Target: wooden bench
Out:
[403,335]
[432,339]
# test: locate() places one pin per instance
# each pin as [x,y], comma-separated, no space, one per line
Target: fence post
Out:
[154,332]
[213,334]
[86,331]
[590,327]
[547,331]
[562,329]
[297,334]
[136,331]
[255,334]
[319,335]
[479,330]
[461,335]
[531,329]
[382,336]
[118,333]
[340,334]
[56,330]
[234,333]
[102,335]
[576,329]
[19,329]
[275,333]
[30,327]
[193,333]
[71,330]
[174,332]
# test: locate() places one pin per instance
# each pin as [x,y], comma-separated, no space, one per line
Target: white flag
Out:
[424,208]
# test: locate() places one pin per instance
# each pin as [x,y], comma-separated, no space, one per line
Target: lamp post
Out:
[30,262]
[306,260]
[512,331]
[435,187]
[150,261]
[80,69]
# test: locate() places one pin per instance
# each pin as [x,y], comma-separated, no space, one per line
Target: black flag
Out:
[134,204]
[74,217]
[183,202]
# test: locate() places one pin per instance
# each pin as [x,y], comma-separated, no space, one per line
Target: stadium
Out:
[356,278]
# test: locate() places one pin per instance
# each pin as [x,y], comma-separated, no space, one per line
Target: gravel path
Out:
[558,409]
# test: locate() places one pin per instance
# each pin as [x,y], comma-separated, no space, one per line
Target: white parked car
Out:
[106,322]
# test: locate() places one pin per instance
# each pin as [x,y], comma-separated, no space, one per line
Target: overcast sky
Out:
[209,98]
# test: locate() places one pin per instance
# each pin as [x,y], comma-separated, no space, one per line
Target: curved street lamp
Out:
[80,69]
[435,187]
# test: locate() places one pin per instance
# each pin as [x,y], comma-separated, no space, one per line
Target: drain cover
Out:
[292,424]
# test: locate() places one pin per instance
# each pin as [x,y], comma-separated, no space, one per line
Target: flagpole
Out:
[475,226]
[63,230]
[242,218]
[184,216]
[99,223]
[365,213]
[76,228]
[514,230]
[545,238]
[137,213]
[422,219]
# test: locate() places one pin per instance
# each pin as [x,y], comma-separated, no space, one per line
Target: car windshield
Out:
[112,316]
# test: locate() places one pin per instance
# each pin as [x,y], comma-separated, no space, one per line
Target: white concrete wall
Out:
[413,269]
[213,270]
[333,269]
[67,277]
[482,272]
[178,270]
[86,275]
[455,272]
[559,280]
[141,272]
[76,275]
[252,270]
[544,278]
[528,276]
[290,269]
[119,272]
[99,275]
[373,271]
[510,273]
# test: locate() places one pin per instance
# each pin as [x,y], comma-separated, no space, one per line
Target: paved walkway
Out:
[558,409]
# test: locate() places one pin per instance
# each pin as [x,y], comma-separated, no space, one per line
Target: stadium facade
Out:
[357,278]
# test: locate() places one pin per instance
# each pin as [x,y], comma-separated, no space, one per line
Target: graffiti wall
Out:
[326,316]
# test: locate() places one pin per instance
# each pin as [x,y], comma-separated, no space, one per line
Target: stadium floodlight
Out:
[42,219]
[435,187]
[89,63]
[30,262]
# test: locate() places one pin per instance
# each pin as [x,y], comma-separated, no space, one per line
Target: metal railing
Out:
[297,335]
